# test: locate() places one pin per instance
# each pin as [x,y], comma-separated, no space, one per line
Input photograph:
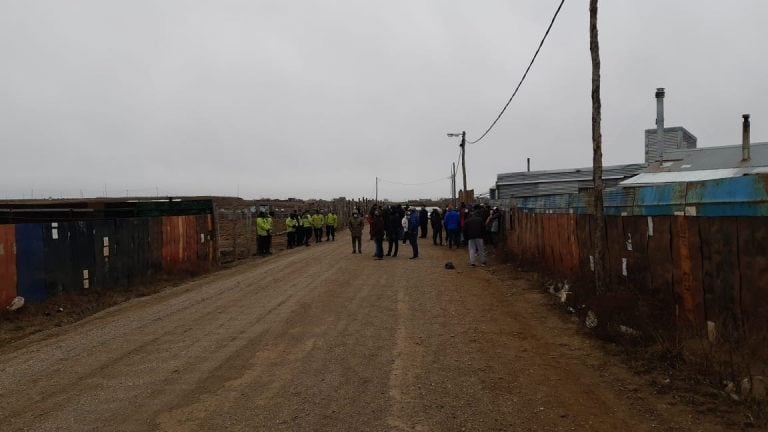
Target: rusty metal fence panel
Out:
[680,269]
[7,264]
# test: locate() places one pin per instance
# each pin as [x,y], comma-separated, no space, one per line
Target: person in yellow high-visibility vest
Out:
[306,227]
[262,233]
[318,222]
[270,223]
[291,223]
[330,226]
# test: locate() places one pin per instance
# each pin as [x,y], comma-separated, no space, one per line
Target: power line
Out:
[524,75]
[415,184]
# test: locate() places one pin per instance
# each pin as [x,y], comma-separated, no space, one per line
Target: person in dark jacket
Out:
[436,219]
[474,227]
[423,221]
[392,220]
[356,223]
[377,231]
[492,225]
[413,232]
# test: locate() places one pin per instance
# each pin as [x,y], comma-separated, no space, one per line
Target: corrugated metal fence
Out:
[40,260]
[686,253]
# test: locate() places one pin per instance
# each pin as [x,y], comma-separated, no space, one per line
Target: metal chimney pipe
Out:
[660,122]
[529,164]
[745,150]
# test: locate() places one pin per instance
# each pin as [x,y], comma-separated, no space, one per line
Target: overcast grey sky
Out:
[316,98]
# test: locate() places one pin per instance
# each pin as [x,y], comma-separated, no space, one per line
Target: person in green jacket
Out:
[291,223]
[330,226]
[306,227]
[318,222]
[262,233]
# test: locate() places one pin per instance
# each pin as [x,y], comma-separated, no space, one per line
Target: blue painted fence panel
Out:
[30,263]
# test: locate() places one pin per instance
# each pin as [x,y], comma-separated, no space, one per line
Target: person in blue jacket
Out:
[413,231]
[452,227]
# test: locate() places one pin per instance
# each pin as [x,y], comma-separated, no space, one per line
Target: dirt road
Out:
[320,339]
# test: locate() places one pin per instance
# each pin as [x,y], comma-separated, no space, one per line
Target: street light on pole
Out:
[463,136]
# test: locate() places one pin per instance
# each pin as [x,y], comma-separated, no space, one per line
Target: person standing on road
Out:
[318,221]
[270,224]
[377,230]
[473,232]
[356,223]
[492,225]
[392,221]
[306,223]
[424,221]
[451,220]
[330,226]
[370,219]
[262,228]
[436,219]
[413,232]
[290,228]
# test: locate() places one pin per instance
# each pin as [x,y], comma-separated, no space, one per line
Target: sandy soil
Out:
[320,339]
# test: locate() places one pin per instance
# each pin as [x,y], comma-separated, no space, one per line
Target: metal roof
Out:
[554,182]
[566,175]
[705,163]
[707,158]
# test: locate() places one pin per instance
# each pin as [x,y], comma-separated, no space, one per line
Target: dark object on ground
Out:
[449,266]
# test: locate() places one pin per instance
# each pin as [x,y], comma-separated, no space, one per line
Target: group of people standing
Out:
[396,223]
[467,226]
[299,229]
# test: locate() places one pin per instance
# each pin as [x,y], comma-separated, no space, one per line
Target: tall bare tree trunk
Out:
[597,151]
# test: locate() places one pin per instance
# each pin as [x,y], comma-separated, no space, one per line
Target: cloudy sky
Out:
[316,98]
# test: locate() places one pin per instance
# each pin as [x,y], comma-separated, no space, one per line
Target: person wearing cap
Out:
[330,226]
[356,223]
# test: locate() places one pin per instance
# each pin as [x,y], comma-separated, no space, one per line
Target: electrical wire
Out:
[551,23]
[414,184]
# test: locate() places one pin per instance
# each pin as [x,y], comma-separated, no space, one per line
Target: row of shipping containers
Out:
[41,260]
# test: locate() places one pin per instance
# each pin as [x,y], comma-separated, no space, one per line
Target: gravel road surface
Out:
[319,339]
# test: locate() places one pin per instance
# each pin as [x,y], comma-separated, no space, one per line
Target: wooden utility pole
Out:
[597,152]
[463,163]
[453,183]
